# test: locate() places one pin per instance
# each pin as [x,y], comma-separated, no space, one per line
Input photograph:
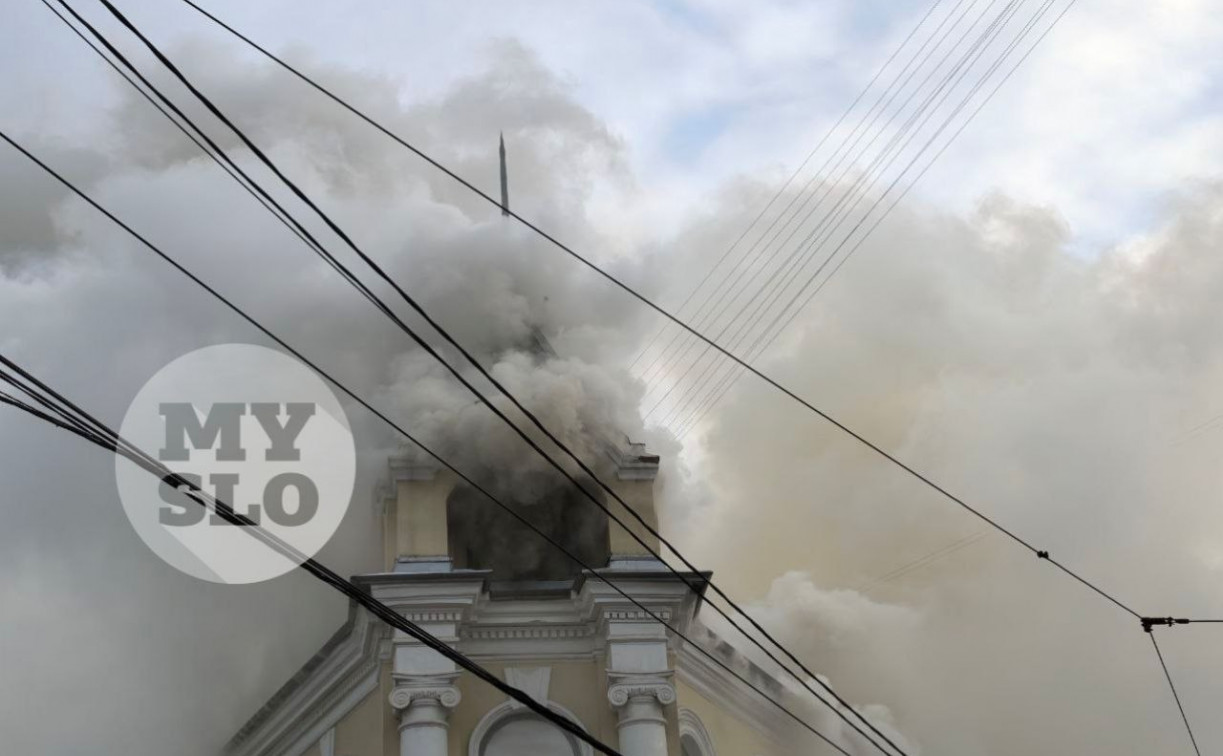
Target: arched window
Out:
[528,735]
[694,739]
[512,730]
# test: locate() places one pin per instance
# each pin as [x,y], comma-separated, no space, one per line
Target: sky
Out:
[1034,326]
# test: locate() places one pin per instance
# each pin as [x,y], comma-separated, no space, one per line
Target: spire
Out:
[505,181]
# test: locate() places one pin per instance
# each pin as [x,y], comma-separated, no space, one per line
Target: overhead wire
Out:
[840,212]
[649,303]
[429,349]
[108,439]
[793,312]
[734,358]
[777,195]
[1175,696]
[797,258]
[704,316]
[933,556]
[594,572]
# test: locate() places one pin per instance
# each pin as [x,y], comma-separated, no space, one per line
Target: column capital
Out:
[623,688]
[439,689]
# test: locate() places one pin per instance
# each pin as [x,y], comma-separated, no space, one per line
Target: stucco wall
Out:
[579,686]
[731,736]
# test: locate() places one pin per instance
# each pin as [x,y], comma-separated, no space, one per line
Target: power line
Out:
[1175,695]
[112,441]
[798,258]
[399,429]
[210,149]
[659,309]
[704,319]
[212,108]
[319,249]
[667,314]
[904,192]
[933,556]
[887,156]
[700,310]
[1041,554]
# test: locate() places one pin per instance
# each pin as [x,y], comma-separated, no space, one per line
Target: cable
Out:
[1175,695]
[369,295]
[625,287]
[706,318]
[319,249]
[668,315]
[700,308]
[399,429]
[592,475]
[798,259]
[166,113]
[905,190]
[112,441]
[211,149]
[933,556]
[890,152]
[777,386]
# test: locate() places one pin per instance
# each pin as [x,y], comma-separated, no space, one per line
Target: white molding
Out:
[720,688]
[326,744]
[692,726]
[534,681]
[512,708]
[300,715]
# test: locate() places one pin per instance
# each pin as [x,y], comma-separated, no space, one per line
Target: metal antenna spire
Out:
[505,182]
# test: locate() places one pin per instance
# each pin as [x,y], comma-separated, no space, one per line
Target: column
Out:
[424,715]
[639,702]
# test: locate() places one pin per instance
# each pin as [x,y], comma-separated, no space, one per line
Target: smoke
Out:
[1068,397]
[151,661]
[1057,392]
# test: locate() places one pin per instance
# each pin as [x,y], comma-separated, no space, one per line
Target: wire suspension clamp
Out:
[1148,623]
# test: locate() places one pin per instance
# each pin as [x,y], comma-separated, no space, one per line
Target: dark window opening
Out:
[484,536]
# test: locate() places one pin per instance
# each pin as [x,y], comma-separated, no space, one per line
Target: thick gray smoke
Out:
[153,662]
[1057,392]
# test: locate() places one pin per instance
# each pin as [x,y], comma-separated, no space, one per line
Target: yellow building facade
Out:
[564,635]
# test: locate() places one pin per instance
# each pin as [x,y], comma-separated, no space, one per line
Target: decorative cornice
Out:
[434,615]
[636,615]
[550,632]
[334,681]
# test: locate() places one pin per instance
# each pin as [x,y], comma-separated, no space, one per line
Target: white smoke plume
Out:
[1057,392]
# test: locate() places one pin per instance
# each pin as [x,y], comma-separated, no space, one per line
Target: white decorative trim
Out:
[553,632]
[626,687]
[718,687]
[326,744]
[690,725]
[440,688]
[530,680]
[512,708]
[328,688]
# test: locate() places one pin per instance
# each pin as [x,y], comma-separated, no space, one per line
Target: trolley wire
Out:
[103,436]
[429,349]
[483,491]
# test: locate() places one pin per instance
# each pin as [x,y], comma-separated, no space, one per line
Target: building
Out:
[468,573]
